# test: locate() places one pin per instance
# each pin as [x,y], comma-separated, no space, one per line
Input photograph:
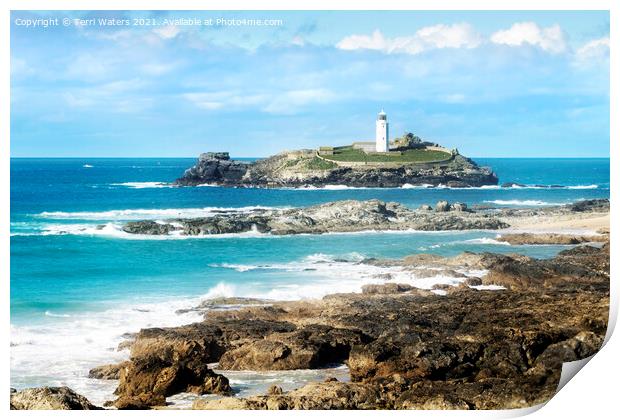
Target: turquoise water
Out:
[76,289]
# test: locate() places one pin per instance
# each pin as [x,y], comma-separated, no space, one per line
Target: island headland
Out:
[406,160]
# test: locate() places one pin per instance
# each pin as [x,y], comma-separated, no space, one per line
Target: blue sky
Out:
[506,84]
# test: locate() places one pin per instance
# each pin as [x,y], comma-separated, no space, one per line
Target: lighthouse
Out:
[382,133]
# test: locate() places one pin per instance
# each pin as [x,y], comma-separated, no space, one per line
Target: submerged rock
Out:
[49,398]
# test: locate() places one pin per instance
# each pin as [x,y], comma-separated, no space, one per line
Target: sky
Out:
[157,84]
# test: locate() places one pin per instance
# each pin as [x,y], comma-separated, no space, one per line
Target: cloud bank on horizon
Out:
[491,84]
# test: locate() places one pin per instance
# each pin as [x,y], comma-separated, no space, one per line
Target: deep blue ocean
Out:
[76,289]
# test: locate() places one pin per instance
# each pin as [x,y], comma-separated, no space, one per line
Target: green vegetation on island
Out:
[351,154]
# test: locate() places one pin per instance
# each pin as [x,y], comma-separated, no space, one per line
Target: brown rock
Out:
[49,398]
[109,372]
[310,347]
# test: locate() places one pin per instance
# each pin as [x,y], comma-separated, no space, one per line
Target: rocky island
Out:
[409,162]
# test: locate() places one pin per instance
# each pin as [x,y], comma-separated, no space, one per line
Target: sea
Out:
[79,284]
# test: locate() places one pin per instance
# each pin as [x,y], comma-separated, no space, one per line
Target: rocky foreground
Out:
[357,216]
[339,216]
[302,169]
[406,348]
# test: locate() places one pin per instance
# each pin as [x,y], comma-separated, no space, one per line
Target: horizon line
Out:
[264,157]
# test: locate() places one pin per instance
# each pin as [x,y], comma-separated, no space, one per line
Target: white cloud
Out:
[158,68]
[289,101]
[453,98]
[167,32]
[20,68]
[550,39]
[593,51]
[460,35]
[298,40]
[117,96]
[284,102]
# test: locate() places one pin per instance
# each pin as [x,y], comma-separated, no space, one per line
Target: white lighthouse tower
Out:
[382,137]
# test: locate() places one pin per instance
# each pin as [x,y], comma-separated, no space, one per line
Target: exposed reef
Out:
[358,216]
[339,216]
[405,347]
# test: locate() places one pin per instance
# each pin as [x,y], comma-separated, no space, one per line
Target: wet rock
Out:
[274,390]
[512,185]
[49,398]
[310,347]
[409,349]
[387,288]
[473,281]
[459,207]
[146,381]
[548,239]
[339,216]
[590,205]
[148,227]
[108,372]
[314,396]
[442,205]
[214,167]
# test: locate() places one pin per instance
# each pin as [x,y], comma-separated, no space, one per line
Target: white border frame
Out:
[592,394]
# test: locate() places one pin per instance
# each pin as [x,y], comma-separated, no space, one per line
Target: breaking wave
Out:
[140,185]
[523,203]
[141,214]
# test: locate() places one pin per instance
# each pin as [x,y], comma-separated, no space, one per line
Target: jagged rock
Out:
[548,239]
[49,398]
[109,372]
[407,349]
[226,403]
[214,168]
[146,381]
[314,396]
[148,227]
[274,390]
[425,207]
[339,216]
[310,347]
[473,281]
[387,288]
[590,205]
[459,207]
[442,205]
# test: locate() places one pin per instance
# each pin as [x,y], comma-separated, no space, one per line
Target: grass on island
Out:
[349,154]
[315,164]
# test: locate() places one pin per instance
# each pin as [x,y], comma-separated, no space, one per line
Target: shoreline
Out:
[566,225]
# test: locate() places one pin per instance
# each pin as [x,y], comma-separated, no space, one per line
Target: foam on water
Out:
[80,341]
[63,349]
[140,185]
[141,214]
[523,203]
[321,274]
